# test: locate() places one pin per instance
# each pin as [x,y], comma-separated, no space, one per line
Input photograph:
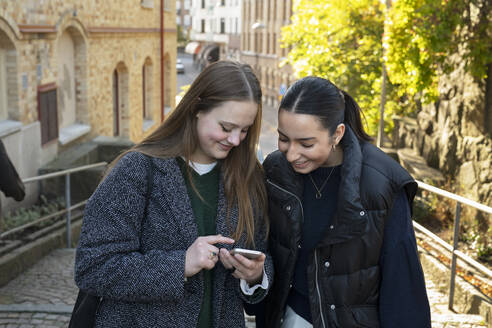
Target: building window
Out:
[284,12]
[257,48]
[222,3]
[48,113]
[203,4]
[147,3]
[203,26]
[288,11]
[116,104]
[274,12]
[222,25]
[274,46]
[8,79]
[144,100]
[147,92]
[3,85]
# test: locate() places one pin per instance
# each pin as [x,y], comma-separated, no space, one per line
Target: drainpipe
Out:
[162,60]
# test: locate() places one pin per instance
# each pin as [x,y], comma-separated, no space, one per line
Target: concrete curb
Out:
[467,298]
[38,308]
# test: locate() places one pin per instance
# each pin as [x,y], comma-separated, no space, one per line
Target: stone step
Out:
[417,166]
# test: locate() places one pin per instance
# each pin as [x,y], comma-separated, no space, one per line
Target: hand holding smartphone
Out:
[248,253]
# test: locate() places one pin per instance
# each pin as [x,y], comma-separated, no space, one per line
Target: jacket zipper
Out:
[288,192]
[315,251]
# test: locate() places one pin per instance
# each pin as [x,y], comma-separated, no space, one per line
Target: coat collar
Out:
[350,219]
[279,171]
[175,191]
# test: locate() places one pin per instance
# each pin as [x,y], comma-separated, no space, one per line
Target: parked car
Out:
[180,68]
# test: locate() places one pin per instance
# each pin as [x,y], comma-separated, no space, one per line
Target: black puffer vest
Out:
[343,270]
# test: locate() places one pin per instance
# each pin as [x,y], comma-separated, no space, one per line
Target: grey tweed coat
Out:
[136,261]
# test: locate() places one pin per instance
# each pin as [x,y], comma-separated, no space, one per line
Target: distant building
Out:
[216,29]
[72,70]
[260,45]
[183,17]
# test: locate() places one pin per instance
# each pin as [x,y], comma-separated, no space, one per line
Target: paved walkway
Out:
[44,295]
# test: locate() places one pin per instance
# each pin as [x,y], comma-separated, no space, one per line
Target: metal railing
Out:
[454,249]
[68,207]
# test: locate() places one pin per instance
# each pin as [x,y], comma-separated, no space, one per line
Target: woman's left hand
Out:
[250,270]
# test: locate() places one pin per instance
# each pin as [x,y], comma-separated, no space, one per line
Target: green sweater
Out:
[205,212]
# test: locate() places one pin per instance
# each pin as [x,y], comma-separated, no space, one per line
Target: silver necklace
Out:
[320,189]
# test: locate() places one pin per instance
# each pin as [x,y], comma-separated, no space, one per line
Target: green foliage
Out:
[422,34]
[181,94]
[25,215]
[484,254]
[477,242]
[342,40]
[181,36]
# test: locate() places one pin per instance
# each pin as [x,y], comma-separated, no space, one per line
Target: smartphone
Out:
[248,253]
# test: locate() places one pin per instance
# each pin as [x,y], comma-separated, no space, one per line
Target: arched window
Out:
[4,114]
[72,107]
[8,79]
[121,116]
[116,106]
[167,86]
[147,94]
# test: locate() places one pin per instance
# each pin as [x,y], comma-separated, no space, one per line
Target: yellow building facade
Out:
[262,22]
[81,69]
[72,71]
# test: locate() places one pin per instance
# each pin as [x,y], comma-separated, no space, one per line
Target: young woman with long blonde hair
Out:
[157,231]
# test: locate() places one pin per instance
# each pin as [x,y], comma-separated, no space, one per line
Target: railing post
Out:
[453,259]
[69,213]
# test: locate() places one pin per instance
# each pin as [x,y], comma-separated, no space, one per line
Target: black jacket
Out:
[343,270]
[10,183]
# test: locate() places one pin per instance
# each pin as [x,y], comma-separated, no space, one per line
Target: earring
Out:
[333,147]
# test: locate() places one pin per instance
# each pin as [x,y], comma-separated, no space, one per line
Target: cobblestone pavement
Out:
[44,295]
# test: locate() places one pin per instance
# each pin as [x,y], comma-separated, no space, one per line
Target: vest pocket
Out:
[281,255]
[365,316]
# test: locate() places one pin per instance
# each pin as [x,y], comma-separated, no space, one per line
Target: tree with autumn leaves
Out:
[343,40]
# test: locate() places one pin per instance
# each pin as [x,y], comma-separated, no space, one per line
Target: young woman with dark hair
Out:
[341,233]
[157,231]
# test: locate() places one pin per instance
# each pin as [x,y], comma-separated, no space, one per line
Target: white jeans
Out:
[293,320]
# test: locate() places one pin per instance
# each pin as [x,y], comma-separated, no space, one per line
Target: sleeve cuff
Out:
[249,290]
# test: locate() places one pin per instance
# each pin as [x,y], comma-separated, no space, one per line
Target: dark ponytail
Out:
[353,118]
[321,98]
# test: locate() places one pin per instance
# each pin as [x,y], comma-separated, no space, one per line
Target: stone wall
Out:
[452,134]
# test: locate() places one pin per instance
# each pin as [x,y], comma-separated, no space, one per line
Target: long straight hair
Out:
[320,97]
[177,136]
